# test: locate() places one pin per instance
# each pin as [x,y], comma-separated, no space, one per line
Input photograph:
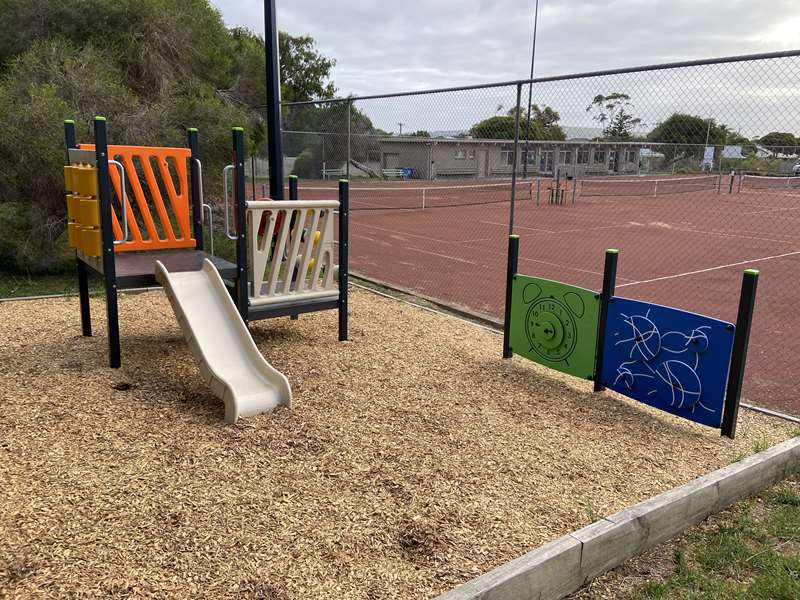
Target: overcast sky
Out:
[384,46]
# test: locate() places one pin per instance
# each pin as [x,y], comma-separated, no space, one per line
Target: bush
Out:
[307,165]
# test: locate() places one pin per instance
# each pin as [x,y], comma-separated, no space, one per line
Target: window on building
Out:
[565,157]
[630,156]
[460,154]
[583,156]
[599,157]
[529,157]
[471,154]
[507,157]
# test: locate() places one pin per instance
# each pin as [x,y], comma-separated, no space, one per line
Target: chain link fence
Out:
[692,170]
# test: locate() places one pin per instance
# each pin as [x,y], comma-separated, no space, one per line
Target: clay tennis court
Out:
[686,247]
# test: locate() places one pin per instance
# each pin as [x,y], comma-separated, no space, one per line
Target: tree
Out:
[152,67]
[420,133]
[779,140]
[543,125]
[613,112]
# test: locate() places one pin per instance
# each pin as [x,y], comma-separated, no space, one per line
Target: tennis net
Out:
[769,182]
[647,187]
[425,197]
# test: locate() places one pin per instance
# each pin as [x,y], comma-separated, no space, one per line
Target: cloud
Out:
[385,47]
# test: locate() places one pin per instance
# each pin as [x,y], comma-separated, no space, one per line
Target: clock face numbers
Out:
[551,330]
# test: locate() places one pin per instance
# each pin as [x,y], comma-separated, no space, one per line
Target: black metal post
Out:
[107,238]
[511,272]
[344,249]
[83,275]
[609,286]
[69,135]
[253,175]
[242,295]
[197,201]
[744,320]
[515,153]
[83,294]
[730,187]
[274,140]
[293,195]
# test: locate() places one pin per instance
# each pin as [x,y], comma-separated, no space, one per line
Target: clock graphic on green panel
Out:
[551,330]
[554,324]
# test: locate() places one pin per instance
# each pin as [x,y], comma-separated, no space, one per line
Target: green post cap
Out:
[69,121]
[99,118]
[344,181]
[513,236]
[292,176]
[192,129]
[751,272]
[612,251]
[237,129]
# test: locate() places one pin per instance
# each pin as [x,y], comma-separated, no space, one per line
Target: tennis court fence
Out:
[685,167]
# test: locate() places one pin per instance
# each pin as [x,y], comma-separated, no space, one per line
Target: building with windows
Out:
[443,158]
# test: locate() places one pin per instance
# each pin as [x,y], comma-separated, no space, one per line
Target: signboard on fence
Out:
[671,359]
[554,324]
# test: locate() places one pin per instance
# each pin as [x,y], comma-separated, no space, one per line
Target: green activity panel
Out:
[554,324]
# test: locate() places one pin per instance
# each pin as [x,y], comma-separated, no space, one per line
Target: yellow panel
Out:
[69,183]
[91,243]
[74,235]
[73,207]
[86,181]
[90,212]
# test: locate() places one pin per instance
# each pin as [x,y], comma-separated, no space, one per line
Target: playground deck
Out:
[414,458]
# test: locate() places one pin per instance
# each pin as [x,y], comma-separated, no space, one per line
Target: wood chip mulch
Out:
[414,458]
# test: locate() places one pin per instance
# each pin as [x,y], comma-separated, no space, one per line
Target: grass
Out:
[751,551]
[16,285]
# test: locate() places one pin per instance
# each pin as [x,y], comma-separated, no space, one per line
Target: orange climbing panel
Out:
[157,191]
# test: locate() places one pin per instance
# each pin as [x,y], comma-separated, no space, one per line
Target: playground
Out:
[413,459]
[682,249]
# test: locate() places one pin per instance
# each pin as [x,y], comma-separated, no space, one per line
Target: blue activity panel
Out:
[671,359]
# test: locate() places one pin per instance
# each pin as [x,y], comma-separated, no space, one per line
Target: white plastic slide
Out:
[229,359]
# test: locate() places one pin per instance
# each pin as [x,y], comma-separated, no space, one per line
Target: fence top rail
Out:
[583,75]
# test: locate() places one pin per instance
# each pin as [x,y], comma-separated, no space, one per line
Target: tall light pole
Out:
[401,129]
[274,139]
[530,94]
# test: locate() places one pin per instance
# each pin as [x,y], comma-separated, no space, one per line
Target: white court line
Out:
[461,260]
[771,210]
[395,232]
[517,226]
[728,266]
[733,235]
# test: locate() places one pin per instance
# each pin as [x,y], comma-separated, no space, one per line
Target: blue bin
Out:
[407,172]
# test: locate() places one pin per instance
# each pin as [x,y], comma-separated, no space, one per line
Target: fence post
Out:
[538,188]
[515,154]
[511,272]
[349,136]
[609,286]
[344,252]
[574,187]
[730,187]
[744,320]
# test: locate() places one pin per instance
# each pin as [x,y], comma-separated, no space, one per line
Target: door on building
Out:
[546,161]
[482,167]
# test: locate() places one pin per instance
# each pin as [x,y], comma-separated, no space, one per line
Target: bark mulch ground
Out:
[414,458]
